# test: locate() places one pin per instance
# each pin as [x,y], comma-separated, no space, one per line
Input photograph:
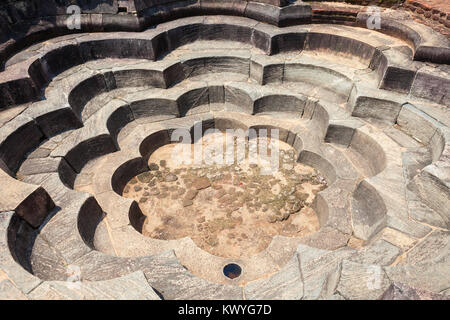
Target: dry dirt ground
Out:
[229,210]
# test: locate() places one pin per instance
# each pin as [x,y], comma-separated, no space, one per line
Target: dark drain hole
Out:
[232,271]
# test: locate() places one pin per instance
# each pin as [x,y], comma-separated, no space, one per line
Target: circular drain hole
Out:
[232,271]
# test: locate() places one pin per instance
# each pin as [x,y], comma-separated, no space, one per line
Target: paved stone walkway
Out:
[433,13]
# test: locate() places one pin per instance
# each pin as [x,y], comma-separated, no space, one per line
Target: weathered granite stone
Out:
[288,42]
[9,292]
[153,107]
[326,238]
[430,85]
[17,137]
[266,73]
[397,79]
[129,287]
[422,213]
[139,78]
[370,150]
[340,134]
[409,227]
[164,273]
[417,123]
[426,265]
[432,247]
[119,48]
[339,44]
[84,91]
[10,224]
[320,270]
[53,119]
[72,229]
[372,107]
[238,97]
[380,253]
[279,103]
[61,57]
[192,99]
[30,202]
[432,185]
[262,12]
[46,263]
[39,165]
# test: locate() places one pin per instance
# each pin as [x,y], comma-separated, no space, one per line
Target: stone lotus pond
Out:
[229,210]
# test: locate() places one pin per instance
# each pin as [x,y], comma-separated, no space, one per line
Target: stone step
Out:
[163,272]
[286,284]
[320,270]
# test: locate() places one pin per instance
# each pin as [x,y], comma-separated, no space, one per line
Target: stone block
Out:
[223,7]
[264,73]
[397,79]
[426,265]
[262,12]
[10,224]
[98,48]
[61,57]
[71,228]
[280,103]
[154,107]
[9,292]
[432,185]
[316,41]
[432,86]
[373,107]
[139,78]
[184,34]
[417,123]
[320,270]
[30,202]
[262,40]
[133,286]
[295,14]
[370,150]
[238,97]
[286,42]
[86,90]
[114,22]
[18,137]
